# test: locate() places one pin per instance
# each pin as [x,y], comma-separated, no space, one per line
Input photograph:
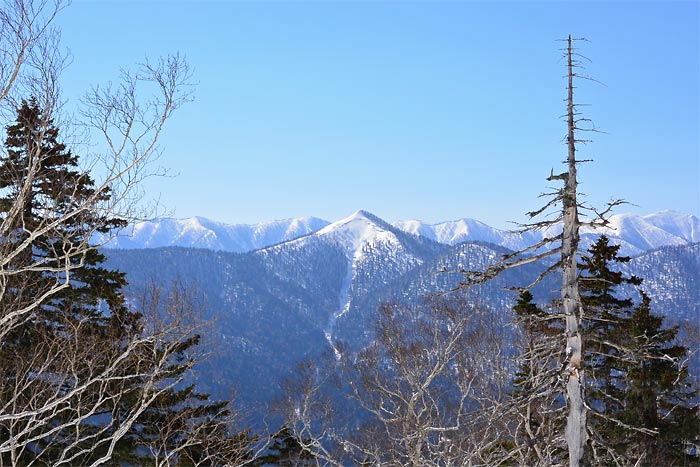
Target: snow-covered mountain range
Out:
[635,233]
[199,232]
[313,288]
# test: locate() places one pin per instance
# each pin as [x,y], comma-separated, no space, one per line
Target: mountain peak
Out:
[357,229]
[361,214]
[356,218]
[636,233]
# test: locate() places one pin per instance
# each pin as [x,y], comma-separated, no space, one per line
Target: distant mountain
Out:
[666,228]
[469,230]
[276,306]
[374,253]
[198,232]
[635,233]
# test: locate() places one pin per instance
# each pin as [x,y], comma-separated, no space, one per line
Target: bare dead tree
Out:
[567,216]
[571,307]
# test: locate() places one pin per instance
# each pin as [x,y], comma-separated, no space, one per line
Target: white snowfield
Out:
[635,233]
[355,231]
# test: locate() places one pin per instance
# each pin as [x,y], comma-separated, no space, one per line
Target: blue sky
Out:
[424,110]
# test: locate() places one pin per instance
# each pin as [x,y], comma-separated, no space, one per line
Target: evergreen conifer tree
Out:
[641,399]
[604,316]
[82,328]
[41,172]
[658,395]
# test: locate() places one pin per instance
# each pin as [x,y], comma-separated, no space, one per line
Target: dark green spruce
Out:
[643,410]
[43,173]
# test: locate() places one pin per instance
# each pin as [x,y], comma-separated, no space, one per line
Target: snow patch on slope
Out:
[358,235]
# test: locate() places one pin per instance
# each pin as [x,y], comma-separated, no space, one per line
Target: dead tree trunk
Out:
[570,297]
[565,247]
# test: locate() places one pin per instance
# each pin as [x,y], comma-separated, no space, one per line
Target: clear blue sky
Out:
[423,109]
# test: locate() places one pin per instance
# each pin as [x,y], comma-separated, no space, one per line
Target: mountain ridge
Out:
[200,232]
[634,233]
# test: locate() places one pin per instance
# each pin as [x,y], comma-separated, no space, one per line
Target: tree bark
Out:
[571,300]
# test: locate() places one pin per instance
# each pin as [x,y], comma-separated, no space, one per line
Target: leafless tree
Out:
[194,431]
[428,392]
[78,394]
[79,397]
[537,402]
[128,121]
[562,211]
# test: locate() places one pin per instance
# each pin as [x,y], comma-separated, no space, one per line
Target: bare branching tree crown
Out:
[427,392]
[79,370]
[563,214]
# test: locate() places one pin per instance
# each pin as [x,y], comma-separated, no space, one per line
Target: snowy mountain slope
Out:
[198,232]
[357,230]
[635,233]
[666,228]
[374,253]
[671,277]
[358,233]
[469,230]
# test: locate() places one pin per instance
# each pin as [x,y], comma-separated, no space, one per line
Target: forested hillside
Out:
[275,307]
